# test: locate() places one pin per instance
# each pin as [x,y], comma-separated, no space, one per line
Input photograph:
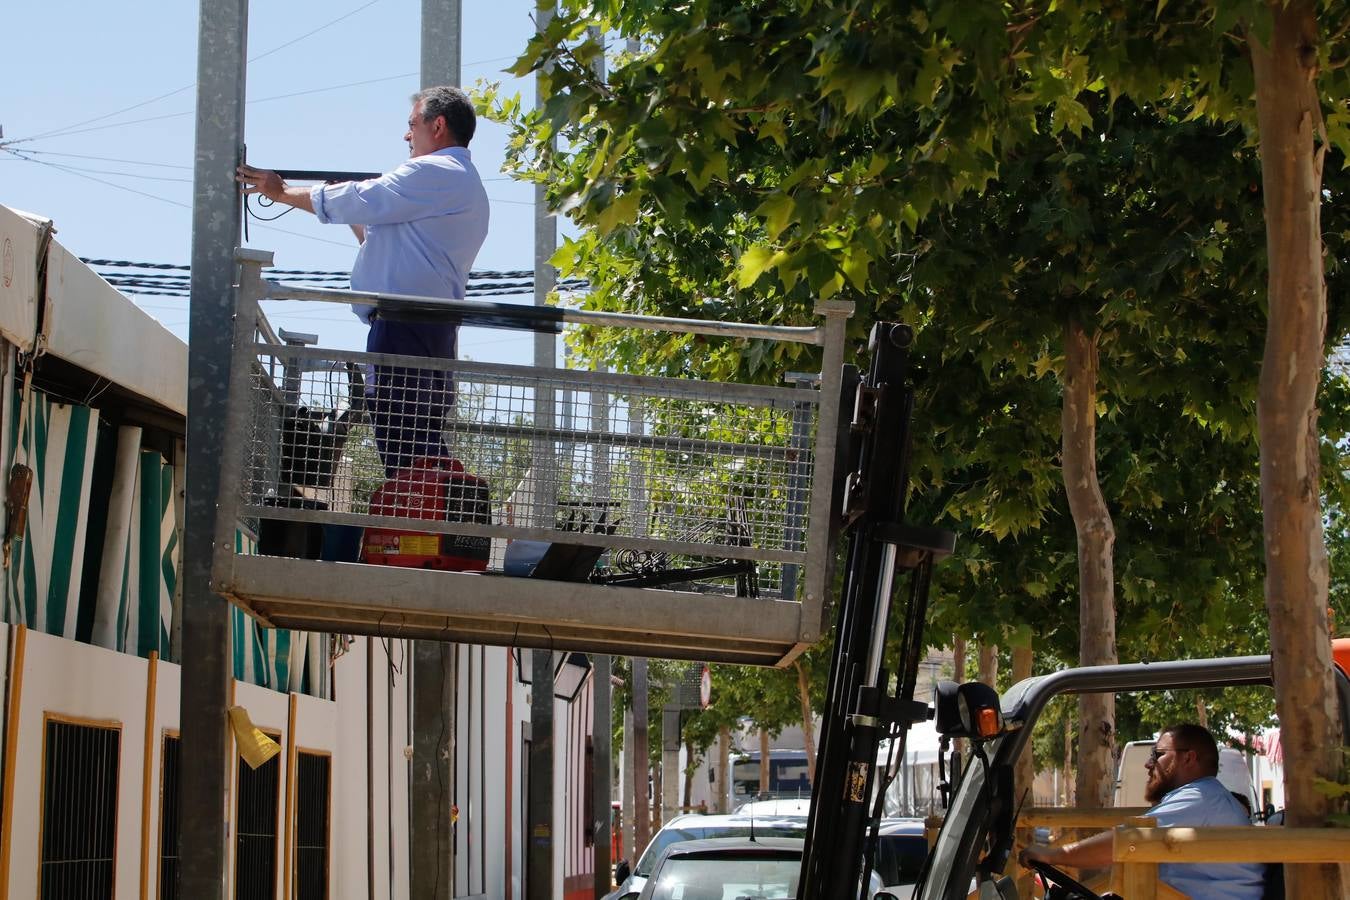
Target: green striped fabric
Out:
[250,657]
[167,558]
[129,608]
[44,577]
[146,604]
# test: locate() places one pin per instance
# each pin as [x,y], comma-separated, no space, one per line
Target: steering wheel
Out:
[1059,886]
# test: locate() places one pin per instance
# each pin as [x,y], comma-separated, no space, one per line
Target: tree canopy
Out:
[982,172]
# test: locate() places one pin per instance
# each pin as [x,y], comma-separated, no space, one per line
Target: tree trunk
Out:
[763,760]
[687,801]
[989,665]
[1096,580]
[1024,774]
[658,793]
[808,727]
[1068,763]
[1202,713]
[723,769]
[629,840]
[1026,766]
[1289,117]
[959,676]
[642,818]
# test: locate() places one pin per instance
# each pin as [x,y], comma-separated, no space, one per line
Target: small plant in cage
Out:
[316,418]
[367,470]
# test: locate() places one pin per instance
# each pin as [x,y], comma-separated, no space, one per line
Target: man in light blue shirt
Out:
[420,227]
[1185,792]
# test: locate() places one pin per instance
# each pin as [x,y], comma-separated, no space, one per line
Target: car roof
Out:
[901,826]
[737,818]
[738,846]
[793,806]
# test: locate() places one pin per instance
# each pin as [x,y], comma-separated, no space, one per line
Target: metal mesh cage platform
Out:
[507,504]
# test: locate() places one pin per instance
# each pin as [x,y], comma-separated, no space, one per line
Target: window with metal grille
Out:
[168,819]
[255,851]
[311,825]
[79,810]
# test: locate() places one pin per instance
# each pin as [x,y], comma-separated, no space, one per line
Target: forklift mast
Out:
[867,699]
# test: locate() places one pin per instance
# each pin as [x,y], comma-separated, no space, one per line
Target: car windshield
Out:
[727,878]
[900,858]
[674,835]
[966,812]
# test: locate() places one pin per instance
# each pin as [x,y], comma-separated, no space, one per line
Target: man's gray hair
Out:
[452,103]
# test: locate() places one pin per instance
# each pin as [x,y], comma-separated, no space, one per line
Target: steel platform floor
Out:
[354,598]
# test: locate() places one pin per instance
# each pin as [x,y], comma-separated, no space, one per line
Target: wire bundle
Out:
[170,280]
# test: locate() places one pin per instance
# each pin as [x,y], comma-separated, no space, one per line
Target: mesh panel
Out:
[661,472]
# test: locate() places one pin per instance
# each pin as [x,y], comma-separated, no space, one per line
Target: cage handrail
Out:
[483,313]
[763,395]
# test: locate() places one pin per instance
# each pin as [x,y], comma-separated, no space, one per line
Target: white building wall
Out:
[370,851]
[106,688]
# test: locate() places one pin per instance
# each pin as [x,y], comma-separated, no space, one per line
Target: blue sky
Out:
[332,99]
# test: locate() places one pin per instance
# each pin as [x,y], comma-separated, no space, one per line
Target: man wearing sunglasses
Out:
[1185,791]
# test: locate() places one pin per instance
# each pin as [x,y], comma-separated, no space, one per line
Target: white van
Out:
[1132,776]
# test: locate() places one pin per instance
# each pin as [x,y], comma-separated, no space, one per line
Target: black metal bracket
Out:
[324,175]
[916,543]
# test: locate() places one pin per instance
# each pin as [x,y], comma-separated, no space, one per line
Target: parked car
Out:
[765,868]
[694,826]
[779,806]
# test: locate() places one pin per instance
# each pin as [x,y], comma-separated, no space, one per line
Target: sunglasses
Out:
[1158,754]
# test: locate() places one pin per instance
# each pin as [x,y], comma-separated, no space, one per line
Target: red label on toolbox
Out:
[431,488]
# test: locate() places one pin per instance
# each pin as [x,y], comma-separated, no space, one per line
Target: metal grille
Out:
[79,810]
[658,471]
[311,826]
[255,860]
[168,821]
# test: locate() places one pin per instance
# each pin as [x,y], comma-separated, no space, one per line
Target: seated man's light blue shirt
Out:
[425,222]
[1206,803]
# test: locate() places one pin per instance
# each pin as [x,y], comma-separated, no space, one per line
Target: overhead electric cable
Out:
[131,162]
[131,264]
[61,132]
[120,187]
[120,174]
[76,129]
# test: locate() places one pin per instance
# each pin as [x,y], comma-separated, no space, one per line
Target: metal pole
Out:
[602,738]
[221,53]
[539,866]
[544,464]
[441,40]
[642,817]
[430,849]
[432,687]
[539,849]
[670,762]
[627,836]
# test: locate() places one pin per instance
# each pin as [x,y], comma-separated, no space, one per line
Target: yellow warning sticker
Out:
[418,545]
[856,788]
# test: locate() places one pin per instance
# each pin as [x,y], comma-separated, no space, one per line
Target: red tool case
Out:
[435,488]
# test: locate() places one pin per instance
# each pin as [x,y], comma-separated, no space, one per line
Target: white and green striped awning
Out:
[99,560]
[45,573]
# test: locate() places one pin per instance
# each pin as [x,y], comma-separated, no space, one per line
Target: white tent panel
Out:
[93,326]
[921,746]
[18,278]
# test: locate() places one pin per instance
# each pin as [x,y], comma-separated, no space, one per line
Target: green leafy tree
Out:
[778,153]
